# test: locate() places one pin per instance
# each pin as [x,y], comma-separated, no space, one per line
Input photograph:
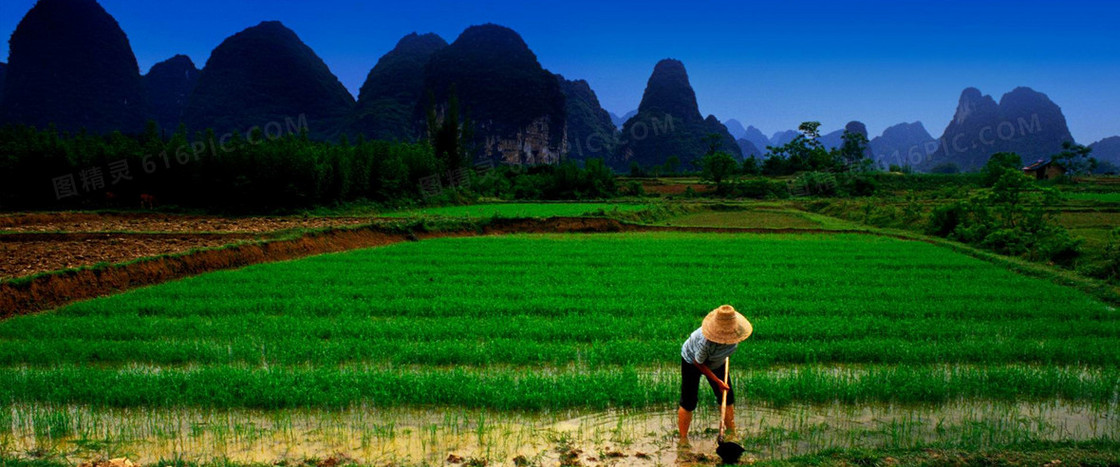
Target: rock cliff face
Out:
[394,88]
[668,123]
[1025,122]
[516,106]
[591,133]
[267,74]
[169,84]
[72,65]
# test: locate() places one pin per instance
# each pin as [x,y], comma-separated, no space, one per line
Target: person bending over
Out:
[703,353]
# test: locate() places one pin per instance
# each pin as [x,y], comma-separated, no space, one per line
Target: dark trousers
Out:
[690,386]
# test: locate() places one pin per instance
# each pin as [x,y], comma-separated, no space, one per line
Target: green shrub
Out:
[1009,218]
[815,184]
[761,188]
[859,185]
[944,220]
[1110,270]
[634,188]
[998,164]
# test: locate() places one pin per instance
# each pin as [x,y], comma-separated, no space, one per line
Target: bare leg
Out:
[684,420]
[729,418]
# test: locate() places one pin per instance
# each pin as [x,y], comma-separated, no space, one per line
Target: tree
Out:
[853,152]
[945,168]
[672,165]
[751,166]
[998,164]
[636,169]
[804,153]
[810,129]
[451,140]
[1111,268]
[714,142]
[1075,159]
[718,166]
[1012,217]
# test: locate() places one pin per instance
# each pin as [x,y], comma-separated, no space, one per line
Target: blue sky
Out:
[768,64]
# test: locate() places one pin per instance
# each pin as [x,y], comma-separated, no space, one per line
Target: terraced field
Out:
[554,323]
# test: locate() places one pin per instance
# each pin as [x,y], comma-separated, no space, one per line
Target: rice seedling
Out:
[564,322]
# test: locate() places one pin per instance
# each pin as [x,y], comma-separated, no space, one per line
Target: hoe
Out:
[728,451]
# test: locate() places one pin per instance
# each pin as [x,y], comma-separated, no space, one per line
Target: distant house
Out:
[1044,170]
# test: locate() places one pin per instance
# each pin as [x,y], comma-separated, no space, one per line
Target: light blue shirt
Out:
[698,349]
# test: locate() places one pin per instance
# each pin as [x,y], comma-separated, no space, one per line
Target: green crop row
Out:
[571,328]
[519,389]
[509,351]
[573,310]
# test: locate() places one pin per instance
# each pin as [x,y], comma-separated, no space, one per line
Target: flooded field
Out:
[438,435]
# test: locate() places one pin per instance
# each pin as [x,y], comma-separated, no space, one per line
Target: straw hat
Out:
[724,325]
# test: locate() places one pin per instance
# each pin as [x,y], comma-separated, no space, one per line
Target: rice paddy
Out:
[1102,197]
[522,210]
[533,330]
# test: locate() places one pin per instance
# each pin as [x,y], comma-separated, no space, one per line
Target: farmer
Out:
[704,353]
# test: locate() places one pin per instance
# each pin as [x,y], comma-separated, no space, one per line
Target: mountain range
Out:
[591,130]
[169,84]
[668,123]
[1107,150]
[72,66]
[753,135]
[619,121]
[517,106]
[1024,121]
[394,87]
[904,144]
[266,74]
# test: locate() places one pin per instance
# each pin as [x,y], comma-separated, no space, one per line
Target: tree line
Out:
[259,172]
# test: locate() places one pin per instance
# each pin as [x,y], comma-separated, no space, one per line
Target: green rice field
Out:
[547,324]
[521,210]
[1109,197]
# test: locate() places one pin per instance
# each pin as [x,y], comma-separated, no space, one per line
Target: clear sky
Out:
[767,64]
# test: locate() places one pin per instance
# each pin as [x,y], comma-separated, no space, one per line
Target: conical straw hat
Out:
[724,325]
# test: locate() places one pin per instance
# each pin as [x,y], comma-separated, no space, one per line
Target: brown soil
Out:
[674,188]
[143,222]
[28,254]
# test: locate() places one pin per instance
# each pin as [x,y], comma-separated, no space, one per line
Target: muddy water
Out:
[414,436]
